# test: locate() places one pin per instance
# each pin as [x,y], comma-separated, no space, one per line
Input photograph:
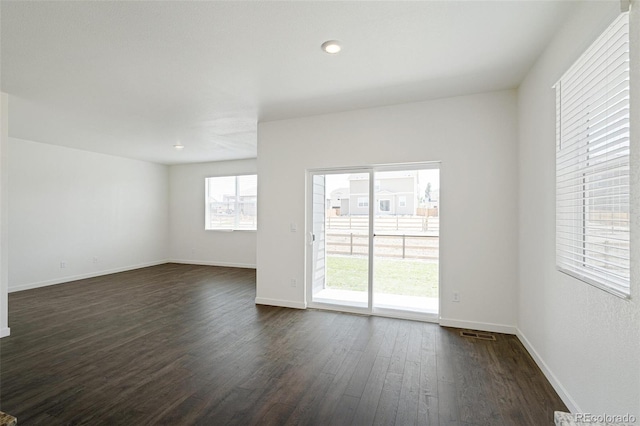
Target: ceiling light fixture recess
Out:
[331,46]
[178,146]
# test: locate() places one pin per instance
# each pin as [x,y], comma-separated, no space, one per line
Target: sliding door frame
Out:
[370,309]
[309,261]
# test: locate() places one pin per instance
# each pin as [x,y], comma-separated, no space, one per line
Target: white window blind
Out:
[592,163]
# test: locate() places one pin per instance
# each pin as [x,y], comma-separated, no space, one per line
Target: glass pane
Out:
[221,202]
[341,246]
[247,202]
[231,202]
[406,245]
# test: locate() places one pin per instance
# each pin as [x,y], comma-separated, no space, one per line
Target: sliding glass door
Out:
[340,239]
[374,239]
[406,232]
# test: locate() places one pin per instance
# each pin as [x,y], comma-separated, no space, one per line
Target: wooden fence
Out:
[386,223]
[404,246]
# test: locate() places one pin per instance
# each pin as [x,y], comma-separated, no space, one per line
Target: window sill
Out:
[231,230]
[613,291]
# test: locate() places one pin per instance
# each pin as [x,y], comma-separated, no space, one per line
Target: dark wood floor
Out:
[181,345]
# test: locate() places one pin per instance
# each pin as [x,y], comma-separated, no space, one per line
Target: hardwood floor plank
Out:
[338,387]
[342,345]
[368,404]
[409,395]
[309,405]
[414,348]
[389,340]
[474,385]
[370,353]
[448,411]
[186,344]
[428,410]
[389,399]
[399,355]
[444,352]
[345,412]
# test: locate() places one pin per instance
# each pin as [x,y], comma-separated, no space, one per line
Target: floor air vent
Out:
[476,335]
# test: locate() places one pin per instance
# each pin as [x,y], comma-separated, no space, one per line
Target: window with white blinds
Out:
[592,163]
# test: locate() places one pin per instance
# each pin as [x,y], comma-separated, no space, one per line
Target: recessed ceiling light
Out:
[331,46]
[179,146]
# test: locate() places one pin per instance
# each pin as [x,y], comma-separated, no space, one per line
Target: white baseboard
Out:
[4,332]
[562,392]
[70,278]
[213,263]
[282,303]
[480,326]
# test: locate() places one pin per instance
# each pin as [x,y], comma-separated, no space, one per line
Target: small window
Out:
[402,201]
[231,202]
[363,202]
[593,164]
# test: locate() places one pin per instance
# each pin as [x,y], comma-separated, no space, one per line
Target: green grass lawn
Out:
[404,277]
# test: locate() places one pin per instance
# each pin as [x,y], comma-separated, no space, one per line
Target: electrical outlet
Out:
[63,265]
[294,283]
[456,296]
[95,260]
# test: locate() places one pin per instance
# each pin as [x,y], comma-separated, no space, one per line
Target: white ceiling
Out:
[133,78]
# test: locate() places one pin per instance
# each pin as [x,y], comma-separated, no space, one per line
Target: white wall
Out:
[67,205]
[474,137]
[190,242]
[587,341]
[4,252]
